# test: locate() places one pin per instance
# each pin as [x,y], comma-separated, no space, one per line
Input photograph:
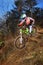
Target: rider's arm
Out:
[32,20]
[21,22]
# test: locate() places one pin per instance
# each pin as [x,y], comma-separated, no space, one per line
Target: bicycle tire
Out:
[16,43]
[34,31]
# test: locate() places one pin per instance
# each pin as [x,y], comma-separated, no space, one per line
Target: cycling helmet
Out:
[23,16]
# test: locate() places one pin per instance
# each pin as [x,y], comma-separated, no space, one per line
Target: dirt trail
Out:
[30,55]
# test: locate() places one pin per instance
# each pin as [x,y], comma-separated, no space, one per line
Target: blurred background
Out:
[10,12]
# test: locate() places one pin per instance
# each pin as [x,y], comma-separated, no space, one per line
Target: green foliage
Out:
[1,43]
[18,3]
[12,20]
[31,3]
[26,3]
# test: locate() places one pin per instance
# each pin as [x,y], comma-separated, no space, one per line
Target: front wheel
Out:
[18,44]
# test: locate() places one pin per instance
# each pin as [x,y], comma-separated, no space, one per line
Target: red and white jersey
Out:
[27,20]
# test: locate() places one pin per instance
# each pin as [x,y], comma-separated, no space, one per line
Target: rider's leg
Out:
[30,28]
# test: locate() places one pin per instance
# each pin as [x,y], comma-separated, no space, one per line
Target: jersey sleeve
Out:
[21,23]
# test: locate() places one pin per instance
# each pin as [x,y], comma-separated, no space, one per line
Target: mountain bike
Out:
[22,38]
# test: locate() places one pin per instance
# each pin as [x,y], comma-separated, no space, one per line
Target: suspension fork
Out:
[21,36]
[20,32]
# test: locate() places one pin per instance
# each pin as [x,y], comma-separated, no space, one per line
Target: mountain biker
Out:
[28,22]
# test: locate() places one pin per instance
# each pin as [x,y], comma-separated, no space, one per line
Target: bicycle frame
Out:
[21,34]
[23,37]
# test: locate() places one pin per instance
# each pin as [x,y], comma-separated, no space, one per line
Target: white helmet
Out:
[23,16]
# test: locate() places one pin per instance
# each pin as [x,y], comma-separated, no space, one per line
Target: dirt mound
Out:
[32,54]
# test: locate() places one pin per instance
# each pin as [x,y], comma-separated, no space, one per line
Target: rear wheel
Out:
[34,31]
[18,44]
